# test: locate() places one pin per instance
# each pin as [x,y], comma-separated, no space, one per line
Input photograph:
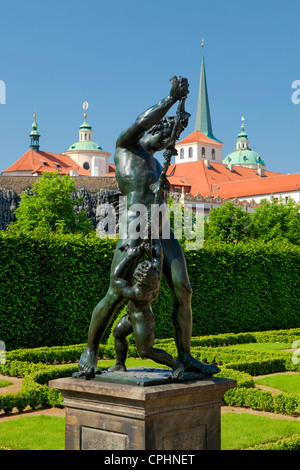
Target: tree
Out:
[229,223]
[276,220]
[50,207]
[270,221]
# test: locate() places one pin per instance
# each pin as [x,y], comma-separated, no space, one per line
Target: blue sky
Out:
[120,55]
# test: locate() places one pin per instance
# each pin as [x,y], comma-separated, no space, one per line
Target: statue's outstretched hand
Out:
[180,87]
[136,251]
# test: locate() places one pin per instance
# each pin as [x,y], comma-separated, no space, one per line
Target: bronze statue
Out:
[142,180]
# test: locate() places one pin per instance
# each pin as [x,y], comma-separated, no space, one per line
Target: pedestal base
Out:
[111,414]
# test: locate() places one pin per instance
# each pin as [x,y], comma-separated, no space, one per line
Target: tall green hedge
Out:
[50,285]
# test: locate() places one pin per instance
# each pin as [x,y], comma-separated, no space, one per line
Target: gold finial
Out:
[202,43]
[34,113]
[242,119]
[85,107]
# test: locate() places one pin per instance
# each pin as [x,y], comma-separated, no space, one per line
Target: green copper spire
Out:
[34,136]
[203,119]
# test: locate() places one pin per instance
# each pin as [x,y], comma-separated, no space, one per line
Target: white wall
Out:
[197,152]
[80,157]
[295,195]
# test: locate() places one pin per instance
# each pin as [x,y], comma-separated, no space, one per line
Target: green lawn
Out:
[130,363]
[288,383]
[261,347]
[240,430]
[5,383]
[33,433]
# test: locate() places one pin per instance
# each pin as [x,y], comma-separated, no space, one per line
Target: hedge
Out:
[38,366]
[287,443]
[51,284]
[262,400]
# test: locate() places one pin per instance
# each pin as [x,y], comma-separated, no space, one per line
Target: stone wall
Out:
[9,201]
[93,190]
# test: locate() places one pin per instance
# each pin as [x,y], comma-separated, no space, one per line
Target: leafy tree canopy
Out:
[50,207]
[270,221]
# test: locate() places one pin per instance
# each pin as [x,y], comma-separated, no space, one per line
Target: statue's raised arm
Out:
[153,115]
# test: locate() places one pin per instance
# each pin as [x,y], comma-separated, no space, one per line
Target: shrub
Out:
[287,443]
[256,399]
[51,283]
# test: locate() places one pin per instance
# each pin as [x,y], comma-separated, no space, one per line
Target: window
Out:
[181,154]
[84,136]
[190,152]
[213,154]
[86,166]
[203,152]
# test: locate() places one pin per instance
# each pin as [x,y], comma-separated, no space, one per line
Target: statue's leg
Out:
[143,329]
[176,277]
[101,318]
[121,331]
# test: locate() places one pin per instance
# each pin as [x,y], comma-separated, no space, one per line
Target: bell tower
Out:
[34,136]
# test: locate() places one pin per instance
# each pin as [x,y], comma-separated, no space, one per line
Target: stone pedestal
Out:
[112,414]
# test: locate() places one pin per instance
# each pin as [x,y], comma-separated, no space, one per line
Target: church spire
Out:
[203,119]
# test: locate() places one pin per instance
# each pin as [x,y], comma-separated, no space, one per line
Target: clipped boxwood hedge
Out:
[39,365]
[50,285]
[287,443]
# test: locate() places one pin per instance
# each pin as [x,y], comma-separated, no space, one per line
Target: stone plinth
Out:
[135,414]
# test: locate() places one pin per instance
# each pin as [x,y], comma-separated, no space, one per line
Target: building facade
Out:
[83,158]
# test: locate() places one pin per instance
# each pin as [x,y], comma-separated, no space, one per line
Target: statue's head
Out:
[158,137]
[146,276]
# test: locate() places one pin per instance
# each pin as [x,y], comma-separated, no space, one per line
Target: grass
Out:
[288,383]
[130,363]
[261,347]
[33,433]
[241,430]
[5,383]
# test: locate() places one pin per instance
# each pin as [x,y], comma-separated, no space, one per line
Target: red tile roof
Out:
[204,180]
[198,136]
[265,185]
[111,170]
[179,181]
[38,162]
